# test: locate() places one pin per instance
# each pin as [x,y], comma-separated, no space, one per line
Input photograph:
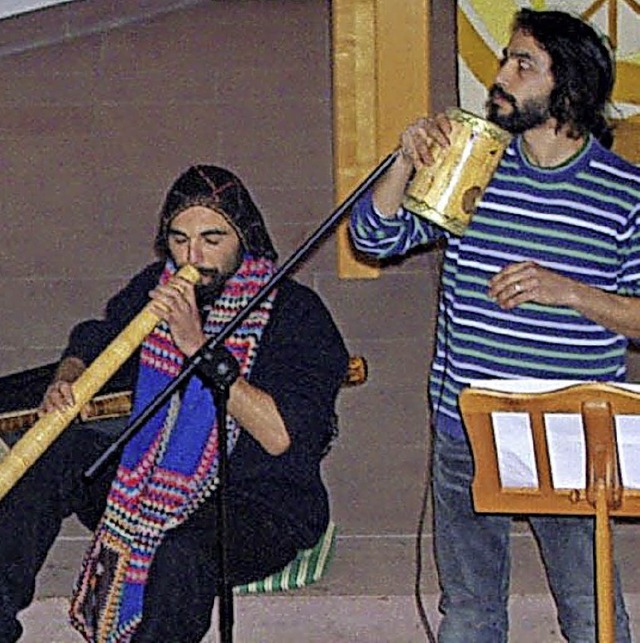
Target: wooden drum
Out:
[447,192]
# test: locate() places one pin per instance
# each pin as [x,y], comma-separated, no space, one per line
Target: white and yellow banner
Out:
[483,32]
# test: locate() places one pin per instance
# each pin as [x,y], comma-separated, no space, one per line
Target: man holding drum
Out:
[543,283]
[151,573]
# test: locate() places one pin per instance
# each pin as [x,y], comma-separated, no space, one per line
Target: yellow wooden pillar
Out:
[380,84]
[627,131]
[627,138]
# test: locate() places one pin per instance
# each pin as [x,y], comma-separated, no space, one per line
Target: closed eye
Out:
[178,238]
[212,239]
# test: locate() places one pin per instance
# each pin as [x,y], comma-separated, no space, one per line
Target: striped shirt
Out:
[580,220]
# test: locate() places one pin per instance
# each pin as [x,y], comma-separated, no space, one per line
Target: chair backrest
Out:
[545,452]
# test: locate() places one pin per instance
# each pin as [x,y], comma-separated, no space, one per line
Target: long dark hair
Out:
[582,66]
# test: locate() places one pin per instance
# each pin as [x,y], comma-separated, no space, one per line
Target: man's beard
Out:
[532,113]
[206,294]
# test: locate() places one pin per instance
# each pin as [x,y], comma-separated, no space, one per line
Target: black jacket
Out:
[301,362]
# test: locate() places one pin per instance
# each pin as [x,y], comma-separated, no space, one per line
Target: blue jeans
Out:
[472,557]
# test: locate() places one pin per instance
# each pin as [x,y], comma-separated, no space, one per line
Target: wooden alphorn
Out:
[42,434]
[119,403]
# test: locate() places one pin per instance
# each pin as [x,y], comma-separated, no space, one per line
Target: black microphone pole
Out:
[220,369]
[214,365]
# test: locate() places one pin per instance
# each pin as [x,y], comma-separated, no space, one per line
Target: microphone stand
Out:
[221,370]
[206,361]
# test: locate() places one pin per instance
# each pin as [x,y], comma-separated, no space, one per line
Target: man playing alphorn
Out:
[151,572]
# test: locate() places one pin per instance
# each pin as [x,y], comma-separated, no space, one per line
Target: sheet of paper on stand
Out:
[565,439]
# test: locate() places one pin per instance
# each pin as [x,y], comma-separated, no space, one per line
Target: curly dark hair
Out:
[582,66]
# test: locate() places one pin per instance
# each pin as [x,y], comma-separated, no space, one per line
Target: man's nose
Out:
[504,74]
[195,253]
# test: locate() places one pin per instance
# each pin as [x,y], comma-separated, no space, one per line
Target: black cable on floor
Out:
[424,619]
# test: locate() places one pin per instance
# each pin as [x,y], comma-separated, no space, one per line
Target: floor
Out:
[367,595]
[330,619]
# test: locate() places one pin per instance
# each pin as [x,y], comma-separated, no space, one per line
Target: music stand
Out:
[500,424]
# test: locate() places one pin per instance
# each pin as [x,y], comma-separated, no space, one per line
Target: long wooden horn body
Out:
[120,402]
[42,434]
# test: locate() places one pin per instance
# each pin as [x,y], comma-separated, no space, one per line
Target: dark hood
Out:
[220,190]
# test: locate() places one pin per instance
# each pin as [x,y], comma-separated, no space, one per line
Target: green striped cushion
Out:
[306,568]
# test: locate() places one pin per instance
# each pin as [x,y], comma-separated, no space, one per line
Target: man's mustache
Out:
[208,272]
[497,92]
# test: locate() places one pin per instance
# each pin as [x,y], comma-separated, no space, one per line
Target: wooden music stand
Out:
[594,406]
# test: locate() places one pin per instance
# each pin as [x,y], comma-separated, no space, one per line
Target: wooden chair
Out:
[591,484]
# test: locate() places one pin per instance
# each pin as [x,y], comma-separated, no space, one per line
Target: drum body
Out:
[447,192]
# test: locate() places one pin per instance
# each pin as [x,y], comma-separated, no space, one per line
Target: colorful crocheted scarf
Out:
[167,469]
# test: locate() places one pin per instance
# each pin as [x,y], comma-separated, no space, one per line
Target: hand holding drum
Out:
[422,140]
[455,155]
